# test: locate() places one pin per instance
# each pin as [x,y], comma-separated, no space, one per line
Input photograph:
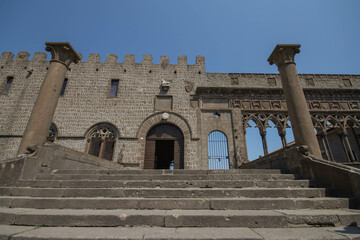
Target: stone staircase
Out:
[179,204]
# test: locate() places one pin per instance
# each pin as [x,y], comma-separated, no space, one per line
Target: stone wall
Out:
[87,101]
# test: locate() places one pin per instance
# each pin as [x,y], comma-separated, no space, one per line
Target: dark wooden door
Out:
[164,132]
[149,161]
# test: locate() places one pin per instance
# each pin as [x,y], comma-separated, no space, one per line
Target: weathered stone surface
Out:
[7,232]
[298,233]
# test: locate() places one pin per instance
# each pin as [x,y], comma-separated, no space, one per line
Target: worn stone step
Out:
[160,233]
[164,192]
[179,218]
[165,184]
[264,176]
[167,171]
[176,203]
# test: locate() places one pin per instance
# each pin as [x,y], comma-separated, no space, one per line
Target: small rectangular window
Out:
[63,87]
[114,88]
[8,84]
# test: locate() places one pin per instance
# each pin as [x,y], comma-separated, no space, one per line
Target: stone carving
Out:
[165,85]
[189,86]
[280,105]
[256,104]
[103,133]
[236,103]
[309,82]
[335,105]
[234,81]
[315,105]
[271,81]
[276,104]
[354,105]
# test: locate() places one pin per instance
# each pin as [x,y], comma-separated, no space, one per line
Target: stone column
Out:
[43,111]
[264,142]
[325,143]
[283,139]
[283,56]
[327,146]
[347,147]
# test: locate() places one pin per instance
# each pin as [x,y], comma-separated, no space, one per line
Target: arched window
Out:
[218,151]
[52,133]
[101,141]
[254,142]
[272,137]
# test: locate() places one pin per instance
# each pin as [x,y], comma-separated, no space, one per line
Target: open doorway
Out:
[164,154]
[164,148]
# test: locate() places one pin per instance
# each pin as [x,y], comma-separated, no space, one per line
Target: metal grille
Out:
[218,151]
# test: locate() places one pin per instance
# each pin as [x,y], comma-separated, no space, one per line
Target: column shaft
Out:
[300,118]
[44,108]
[264,142]
[303,129]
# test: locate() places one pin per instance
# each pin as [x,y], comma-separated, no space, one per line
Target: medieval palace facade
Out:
[147,115]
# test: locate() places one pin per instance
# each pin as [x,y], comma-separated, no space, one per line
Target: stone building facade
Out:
[132,113]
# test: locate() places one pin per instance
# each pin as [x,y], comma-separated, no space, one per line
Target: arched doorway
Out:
[218,151]
[164,148]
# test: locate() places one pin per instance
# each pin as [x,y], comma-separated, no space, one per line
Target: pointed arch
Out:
[256,120]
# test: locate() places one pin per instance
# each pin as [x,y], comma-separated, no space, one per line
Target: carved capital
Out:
[62,52]
[284,54]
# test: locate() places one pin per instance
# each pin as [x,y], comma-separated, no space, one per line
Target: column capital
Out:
[62,52]
[284,54]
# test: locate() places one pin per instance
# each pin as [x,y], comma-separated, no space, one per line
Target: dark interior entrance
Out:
[164,148]
[164,154]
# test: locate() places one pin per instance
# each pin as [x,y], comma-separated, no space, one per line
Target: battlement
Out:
[129,59]
[147,61]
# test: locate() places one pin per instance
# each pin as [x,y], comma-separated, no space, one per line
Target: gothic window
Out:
[101,141]
[8,84]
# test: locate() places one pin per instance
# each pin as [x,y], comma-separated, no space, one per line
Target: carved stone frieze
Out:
[280,105]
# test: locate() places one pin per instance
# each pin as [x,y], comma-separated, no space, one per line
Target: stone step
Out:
[176,203]
[160,233]
[149,177]
[165,192]
[179,218]
[165,184]
[168,172]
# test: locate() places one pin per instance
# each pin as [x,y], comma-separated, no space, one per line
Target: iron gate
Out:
[218,151]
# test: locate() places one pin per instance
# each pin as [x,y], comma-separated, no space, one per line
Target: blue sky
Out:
[234,35]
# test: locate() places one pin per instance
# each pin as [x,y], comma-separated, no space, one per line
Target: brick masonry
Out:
[87,101]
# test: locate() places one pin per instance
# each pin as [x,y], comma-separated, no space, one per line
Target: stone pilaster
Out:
[42,114]
[303,129]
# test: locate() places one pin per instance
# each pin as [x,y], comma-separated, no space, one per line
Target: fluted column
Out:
[43,111]
[303,129]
